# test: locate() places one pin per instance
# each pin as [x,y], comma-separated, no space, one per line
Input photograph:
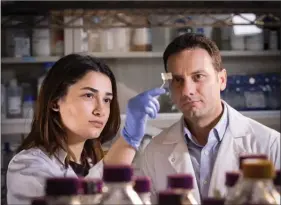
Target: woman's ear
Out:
[55,107]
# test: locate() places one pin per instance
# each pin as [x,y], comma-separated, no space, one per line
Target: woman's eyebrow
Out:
[95,90]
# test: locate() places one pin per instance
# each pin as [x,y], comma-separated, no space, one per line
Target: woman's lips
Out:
[96,123]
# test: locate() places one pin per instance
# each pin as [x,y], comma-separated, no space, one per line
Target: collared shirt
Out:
[203,157]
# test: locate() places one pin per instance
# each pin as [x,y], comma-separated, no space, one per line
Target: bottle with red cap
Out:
[63,190]
[170,197]
[231,179]
[256,187]
[118,185]
[142,186]
[277,181]
[183,184]
[92,191]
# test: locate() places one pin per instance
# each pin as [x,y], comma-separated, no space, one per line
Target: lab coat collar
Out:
[235,119]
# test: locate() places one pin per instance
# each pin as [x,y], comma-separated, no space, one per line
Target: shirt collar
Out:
[218,130]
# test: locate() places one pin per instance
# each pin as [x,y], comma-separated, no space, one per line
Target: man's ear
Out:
[222,79]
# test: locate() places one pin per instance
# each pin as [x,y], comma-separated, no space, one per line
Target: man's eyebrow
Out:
[95,90]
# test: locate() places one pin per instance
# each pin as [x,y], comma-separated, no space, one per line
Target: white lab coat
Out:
[167,153]
[28,170]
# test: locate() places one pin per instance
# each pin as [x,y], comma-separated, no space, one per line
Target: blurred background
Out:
[131,37]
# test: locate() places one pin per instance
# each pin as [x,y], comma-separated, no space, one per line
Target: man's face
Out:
[196,85]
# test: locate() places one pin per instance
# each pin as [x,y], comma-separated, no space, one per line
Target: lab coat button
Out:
[173,159]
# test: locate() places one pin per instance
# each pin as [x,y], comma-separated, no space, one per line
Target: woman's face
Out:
[86,107]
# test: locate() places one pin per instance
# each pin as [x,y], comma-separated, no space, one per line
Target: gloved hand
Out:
[138,108]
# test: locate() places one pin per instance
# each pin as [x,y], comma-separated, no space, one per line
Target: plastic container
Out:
[183,184]
[231,178]
[212,201]
[3,102]
[118,186]
[41,38]
[257,184]
[64,190]
[28,106]
[142,186]
[92,191]
[14,100]
[169,197]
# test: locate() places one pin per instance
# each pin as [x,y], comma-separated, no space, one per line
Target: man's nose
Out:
[188,87]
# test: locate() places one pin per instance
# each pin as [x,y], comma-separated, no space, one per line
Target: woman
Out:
[77,111]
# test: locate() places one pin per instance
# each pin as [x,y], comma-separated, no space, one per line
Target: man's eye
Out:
[89,95]
[198,76]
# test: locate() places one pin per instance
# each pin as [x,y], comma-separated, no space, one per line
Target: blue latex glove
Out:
[138,108]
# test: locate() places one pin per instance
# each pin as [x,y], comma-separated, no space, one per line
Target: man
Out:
[210,136]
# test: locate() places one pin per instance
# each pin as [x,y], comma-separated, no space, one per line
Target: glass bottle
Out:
[257,184]
[63,190]
[183,184]
[212,201]
[142,186]
[169,197]
[231,179]
[92,191]
[118,185]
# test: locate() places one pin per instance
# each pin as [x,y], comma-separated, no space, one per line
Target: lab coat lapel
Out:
[180,158]
[228,155]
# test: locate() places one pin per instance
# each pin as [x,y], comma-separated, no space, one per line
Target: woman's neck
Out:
[76,146]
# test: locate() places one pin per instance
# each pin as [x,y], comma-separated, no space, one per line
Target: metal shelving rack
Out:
[137,14]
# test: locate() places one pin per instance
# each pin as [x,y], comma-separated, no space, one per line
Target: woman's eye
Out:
[107,100]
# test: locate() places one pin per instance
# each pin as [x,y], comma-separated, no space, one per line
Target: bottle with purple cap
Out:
[170,197]
[231,179]
[212,201]
[63,190]
[39,201]
[256,187]
[118,186]
[92,191]
[142,186]
[183,184]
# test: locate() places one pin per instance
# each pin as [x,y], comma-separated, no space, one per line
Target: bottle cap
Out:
[117,173]
[250,156]
[91,186]
[169,197]
[180,181]
[61,186]
[231,178]
[257,168]
[277,178]
[39,201]
[212,201]
[142,184]
[28,98]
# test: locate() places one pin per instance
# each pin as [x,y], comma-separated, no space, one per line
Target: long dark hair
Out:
[47,129]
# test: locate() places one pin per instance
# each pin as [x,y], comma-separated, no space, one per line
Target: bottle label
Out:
[14,105]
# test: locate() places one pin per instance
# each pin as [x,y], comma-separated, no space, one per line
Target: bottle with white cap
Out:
[14,99]
[118,185]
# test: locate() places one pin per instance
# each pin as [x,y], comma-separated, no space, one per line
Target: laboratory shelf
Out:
[270,118]
[128,55]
